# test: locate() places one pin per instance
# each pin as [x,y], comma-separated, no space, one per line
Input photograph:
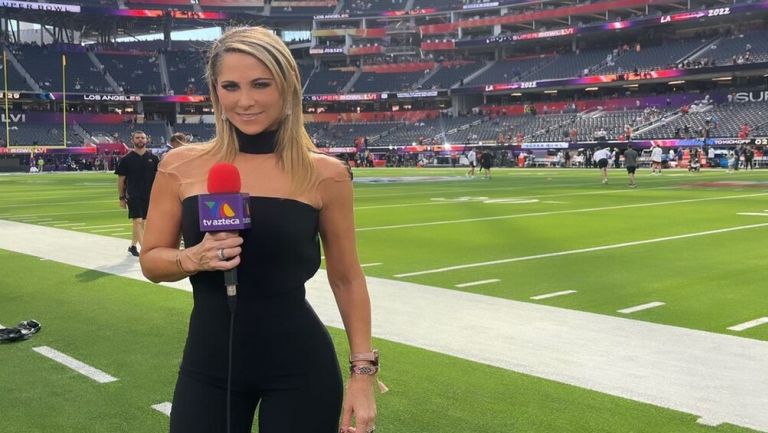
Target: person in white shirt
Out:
[601,157]
[472,158]
[656,153]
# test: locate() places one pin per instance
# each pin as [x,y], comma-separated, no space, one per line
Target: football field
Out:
[684,252]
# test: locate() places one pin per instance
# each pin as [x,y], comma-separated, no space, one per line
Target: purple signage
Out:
[224,212]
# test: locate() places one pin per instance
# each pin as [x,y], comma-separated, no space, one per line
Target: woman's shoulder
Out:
[176,157]
[329,167]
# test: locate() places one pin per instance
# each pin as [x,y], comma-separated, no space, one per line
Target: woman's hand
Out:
[360,404]
[218,251]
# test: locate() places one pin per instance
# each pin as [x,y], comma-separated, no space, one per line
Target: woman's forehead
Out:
[242,66]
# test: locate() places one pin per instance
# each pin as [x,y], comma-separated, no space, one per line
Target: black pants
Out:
[313,407]
[283,364]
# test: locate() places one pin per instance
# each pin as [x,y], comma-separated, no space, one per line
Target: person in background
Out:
[601,159]
[630,162]
[283,359]
[177,140]
[656,154]
[135,175]
[472,159]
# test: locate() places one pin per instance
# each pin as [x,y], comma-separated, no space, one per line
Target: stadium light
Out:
[516,94]
[550,91]
[676,82]
[590,89]
[722,79]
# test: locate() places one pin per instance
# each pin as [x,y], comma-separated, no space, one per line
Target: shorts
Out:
[656,162]
[631,169]
[602,163]
[137,207]
[471,164]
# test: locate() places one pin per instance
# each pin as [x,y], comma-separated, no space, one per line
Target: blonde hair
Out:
[293,144]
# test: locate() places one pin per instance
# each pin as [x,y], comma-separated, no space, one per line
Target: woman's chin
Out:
[251,129]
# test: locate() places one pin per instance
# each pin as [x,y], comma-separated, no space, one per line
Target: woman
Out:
[283,360]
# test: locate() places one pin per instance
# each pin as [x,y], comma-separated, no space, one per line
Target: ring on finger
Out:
[221,254]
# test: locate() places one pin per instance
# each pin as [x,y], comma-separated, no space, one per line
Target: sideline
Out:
[720,378]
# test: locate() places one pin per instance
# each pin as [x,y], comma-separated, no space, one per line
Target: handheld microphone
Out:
[223,209]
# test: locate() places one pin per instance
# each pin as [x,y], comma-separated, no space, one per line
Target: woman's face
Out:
[248,93]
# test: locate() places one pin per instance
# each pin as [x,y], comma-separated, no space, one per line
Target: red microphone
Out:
[224,209]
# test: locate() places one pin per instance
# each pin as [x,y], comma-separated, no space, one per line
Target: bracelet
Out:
[372,357]
[180,267]
[365,370]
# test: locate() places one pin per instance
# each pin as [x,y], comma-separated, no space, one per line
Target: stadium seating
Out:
[727,117]
[155,131]
[44,65]
[23,134]
[327,81]
[186,72]
[15,80]
[505,71]
[135,73]
[447,76]
[729,49]
[568,65]
[199,131]
[650,57]
[393,82]
[373,7]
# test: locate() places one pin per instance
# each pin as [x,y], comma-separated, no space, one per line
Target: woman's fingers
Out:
[346,418]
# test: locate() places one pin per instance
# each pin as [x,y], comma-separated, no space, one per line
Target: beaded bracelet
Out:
[180,267]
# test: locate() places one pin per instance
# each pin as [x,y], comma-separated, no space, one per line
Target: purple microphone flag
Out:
[223,212]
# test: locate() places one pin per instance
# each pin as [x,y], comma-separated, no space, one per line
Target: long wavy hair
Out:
[293,144]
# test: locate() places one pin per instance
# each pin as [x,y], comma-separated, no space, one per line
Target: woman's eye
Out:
[229,87]
[261,84]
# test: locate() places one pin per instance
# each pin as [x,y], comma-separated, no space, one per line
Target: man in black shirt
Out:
[136,173]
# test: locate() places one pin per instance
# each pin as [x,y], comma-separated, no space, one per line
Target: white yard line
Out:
[477,283]
[370,264]
[66,213]
[108,225]
[666,366]
[750,324]
[164,407]
[642,307]
[103,230]
[581,250]
[552,295]
[754,213]
[560,212]
[68,225]
[63,203]
[74,364]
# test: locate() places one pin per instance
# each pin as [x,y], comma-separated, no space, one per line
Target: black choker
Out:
[261,143]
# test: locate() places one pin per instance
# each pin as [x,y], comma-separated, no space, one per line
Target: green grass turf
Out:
[135,332]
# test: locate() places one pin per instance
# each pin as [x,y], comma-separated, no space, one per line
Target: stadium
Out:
[538,299]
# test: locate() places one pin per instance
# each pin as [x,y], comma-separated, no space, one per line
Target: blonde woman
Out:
[283,361]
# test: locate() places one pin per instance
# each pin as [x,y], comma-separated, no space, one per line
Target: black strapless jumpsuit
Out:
[283,359]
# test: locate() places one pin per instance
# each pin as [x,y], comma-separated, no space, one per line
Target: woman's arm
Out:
[161,259]
[337,230]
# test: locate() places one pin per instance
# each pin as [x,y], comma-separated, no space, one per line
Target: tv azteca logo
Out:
[220,213]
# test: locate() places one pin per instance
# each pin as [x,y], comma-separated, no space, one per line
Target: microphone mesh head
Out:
[223,178]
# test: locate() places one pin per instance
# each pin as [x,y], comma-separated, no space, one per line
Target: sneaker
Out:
[28,327]
[133,250]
